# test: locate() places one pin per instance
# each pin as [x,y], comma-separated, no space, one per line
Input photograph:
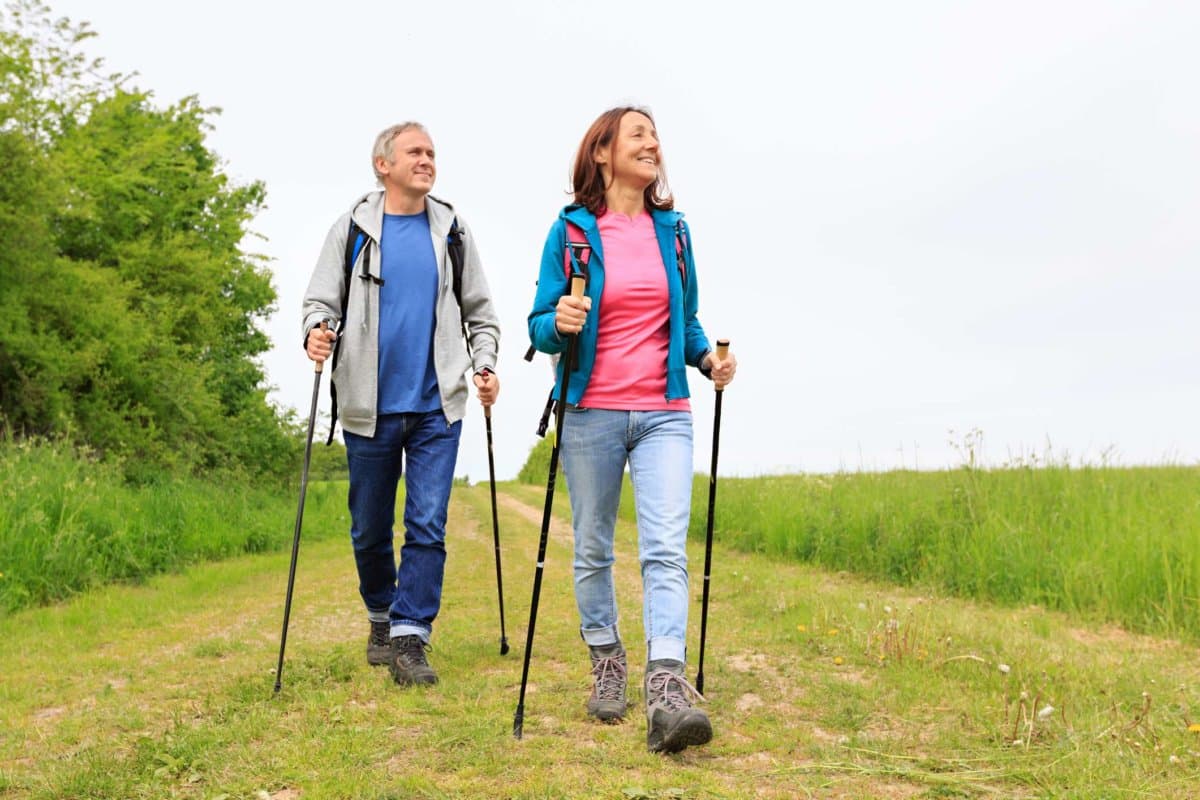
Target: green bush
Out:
[537,463]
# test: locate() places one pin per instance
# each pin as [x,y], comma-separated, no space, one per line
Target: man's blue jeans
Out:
[657,445]
[424,449]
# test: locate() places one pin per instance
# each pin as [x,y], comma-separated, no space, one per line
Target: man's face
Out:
[411,169]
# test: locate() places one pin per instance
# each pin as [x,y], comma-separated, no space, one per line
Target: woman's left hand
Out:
[722,369]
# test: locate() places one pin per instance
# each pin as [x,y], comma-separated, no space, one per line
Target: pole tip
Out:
[503,646]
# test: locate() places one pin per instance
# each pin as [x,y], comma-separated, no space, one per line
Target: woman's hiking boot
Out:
[672,722]
[408,663]
[379,644]
[609,677]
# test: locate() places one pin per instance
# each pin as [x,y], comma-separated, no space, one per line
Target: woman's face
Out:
[632,159]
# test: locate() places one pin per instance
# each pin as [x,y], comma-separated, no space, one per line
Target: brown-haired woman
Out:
[627,404]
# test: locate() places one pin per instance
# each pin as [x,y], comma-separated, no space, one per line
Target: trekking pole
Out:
[487,418]
[577,284]
[287,603]
[722,351]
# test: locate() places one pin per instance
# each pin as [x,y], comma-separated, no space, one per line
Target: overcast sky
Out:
[913,220]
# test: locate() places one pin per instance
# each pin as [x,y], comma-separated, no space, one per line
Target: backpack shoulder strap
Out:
[682,246]
[356,239]
[577,252]
[576,255]
[454,246]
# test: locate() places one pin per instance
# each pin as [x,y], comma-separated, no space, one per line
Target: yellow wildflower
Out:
[833,631]
[802,628]
[1194,727]
[838,660]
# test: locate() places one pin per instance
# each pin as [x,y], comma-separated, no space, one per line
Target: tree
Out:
[139,313]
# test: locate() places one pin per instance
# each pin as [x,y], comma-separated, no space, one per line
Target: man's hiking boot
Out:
[672,722]
[408,663]
[379,645]
[609,676]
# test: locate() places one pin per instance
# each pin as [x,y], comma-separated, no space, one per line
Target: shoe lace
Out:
[412,649]
[610,673]
[671,691]
[379,633]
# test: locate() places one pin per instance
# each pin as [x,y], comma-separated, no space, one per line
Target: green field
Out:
[1106,544]
[820,682]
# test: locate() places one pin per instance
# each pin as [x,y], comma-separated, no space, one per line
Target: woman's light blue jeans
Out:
[595,447]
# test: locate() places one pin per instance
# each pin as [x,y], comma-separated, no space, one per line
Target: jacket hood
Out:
[580,216]
[367,212]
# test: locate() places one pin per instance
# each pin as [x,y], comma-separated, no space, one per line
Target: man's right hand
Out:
[320,344]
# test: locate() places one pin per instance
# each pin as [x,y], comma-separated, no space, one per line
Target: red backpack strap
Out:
[681,247]
[577,252]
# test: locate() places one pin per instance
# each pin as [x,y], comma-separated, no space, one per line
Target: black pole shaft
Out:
[287,604]
[559,416]
[722,347]
[487,417]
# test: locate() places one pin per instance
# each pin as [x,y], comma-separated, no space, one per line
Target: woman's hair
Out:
[587,181]
[383,144]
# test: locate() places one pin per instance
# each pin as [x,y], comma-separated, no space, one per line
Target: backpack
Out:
[356,239]
[576,254]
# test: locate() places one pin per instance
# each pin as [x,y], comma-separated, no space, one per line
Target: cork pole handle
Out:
[321,364]
[722,353]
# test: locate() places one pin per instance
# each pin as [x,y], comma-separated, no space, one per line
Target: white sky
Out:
[909,218]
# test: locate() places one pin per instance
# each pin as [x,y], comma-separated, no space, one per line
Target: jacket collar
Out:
[586,221]
[368,213]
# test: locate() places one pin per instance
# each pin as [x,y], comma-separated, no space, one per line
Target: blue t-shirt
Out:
[407,381]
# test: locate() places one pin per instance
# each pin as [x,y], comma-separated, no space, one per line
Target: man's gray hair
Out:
[383,144]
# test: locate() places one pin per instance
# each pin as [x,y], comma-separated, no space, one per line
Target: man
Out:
[400,385]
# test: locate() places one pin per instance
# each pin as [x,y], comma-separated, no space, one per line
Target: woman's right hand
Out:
[571,313]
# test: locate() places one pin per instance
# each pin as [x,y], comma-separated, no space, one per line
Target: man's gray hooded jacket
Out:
[356,375]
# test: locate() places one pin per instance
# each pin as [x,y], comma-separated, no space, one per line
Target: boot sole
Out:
[610,716]
[691,731]
[417,680]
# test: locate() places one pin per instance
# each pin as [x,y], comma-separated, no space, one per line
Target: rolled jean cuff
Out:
[599,637]
[408,629]
[662,647]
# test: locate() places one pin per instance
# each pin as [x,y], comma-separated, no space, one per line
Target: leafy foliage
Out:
[132,311]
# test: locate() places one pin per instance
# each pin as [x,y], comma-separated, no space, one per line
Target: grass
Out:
[1118,545]
[68,525]
[819,684]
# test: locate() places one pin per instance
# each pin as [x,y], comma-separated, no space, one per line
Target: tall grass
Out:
[68,524]
[1112,544]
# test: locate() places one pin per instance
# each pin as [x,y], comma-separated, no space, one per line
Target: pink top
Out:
[630,372]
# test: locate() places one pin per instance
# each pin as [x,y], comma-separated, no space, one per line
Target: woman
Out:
[628,403]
